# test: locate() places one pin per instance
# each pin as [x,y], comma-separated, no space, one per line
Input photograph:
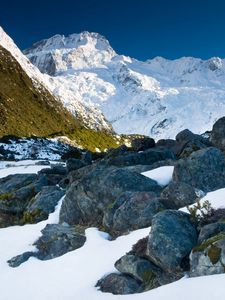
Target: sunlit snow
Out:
[162,175]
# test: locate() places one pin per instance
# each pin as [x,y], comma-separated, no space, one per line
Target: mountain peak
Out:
[61,53]
[72,41]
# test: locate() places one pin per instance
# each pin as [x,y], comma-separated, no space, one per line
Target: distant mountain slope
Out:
[27,110]
[90,116]
[158,97]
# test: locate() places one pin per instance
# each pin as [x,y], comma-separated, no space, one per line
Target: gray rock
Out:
[203,169]
[186,136]
[177,195]
[55,241]
[141,144]
[131,211]
[169,144]
[210,230]
[147,157]
[42,163]
[171,239]
[118,284]
[43,203]
[114,152]
[139,268]
[58,169]
[58,239]
[208,258]
[14,182]
[20,259]
[88,199]
[144,168]
[87,158]
[218,134]
[74,164]
[80,173]
[17,190]
[189,142]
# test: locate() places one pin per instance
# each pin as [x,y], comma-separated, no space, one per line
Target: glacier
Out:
[158,97]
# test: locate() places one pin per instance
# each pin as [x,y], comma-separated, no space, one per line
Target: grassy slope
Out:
[26,110]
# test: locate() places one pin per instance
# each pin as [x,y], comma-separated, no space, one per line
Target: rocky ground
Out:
[119,193]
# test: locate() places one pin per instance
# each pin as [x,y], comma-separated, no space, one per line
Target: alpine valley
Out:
[112,173]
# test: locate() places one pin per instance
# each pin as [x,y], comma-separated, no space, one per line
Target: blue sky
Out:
[139,28]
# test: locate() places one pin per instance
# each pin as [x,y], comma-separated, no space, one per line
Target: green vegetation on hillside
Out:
[27,109]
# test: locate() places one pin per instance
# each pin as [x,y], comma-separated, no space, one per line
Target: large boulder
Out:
[43,204]
[55,241]
[171,239]
[17,190]
[131,211]
[142,144]
[58,239]
[14,182]
[208,258]
[169,144]
[188,142]
[147,157]
[203,169]
[218,134]
[119,284]
[177,195]
[139,268]
[89,198]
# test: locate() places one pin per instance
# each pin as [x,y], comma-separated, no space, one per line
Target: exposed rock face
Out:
[88,199]
[177,195]
[171,239]
[208,258]
[132,210]
[203,169]
[218,134]
[118,284]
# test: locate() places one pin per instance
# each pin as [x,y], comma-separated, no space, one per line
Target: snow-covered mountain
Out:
[158,97]
[89,115]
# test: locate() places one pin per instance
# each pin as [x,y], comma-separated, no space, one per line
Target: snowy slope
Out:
[89,115]
[158,97]
[74,275]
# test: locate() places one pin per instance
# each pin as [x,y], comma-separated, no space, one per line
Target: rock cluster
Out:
[108,191]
